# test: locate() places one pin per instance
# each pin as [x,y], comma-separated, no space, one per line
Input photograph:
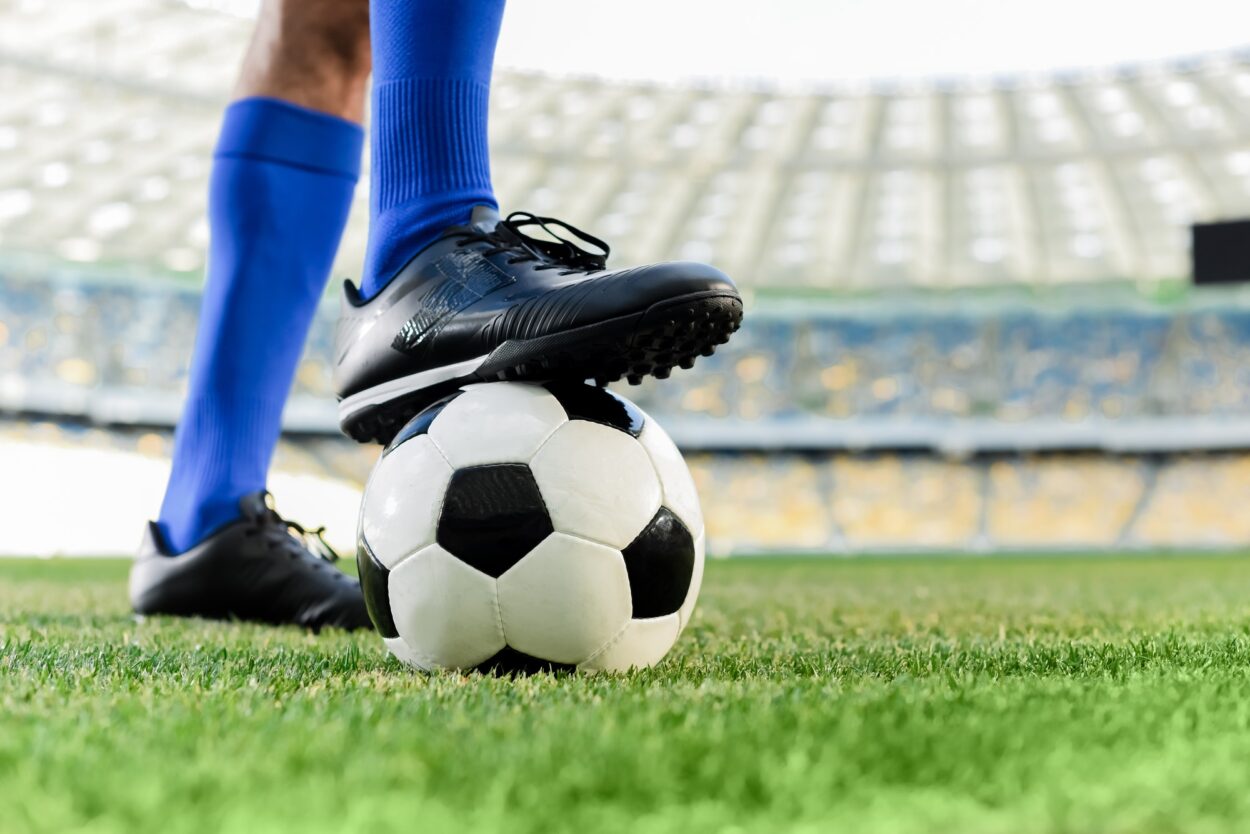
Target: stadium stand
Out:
[1053,395]
[893,502]
[1047,501]
[1196,499]
[1072,177]
[117,352]
[837,502]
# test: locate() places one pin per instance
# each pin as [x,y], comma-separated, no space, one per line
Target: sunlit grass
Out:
[961,695]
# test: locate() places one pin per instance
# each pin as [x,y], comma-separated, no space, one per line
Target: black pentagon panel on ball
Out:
[597,405]
[492,516]
[660,563]
[420,424]
[375,585]
[509,662]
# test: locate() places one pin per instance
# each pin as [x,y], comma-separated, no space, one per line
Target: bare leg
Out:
[314,53]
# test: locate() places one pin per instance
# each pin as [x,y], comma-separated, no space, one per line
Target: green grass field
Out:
[959,695]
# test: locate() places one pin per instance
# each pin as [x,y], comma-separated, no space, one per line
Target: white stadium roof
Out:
[110,109]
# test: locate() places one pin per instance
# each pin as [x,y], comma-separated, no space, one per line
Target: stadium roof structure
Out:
[110,111]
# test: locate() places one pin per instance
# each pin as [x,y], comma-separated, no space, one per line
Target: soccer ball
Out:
[516,527]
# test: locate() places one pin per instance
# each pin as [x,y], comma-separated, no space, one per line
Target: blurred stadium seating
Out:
[110,111]
[117,352]
[942,277]
[838,502]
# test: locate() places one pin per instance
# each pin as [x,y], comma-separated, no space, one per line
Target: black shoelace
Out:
[560,253]
[314,541]
[292,538]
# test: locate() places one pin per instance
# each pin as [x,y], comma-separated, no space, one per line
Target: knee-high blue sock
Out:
[279,195]
[431,82]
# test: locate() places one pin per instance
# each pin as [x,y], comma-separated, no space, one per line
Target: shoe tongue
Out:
[256,505]
[484,218]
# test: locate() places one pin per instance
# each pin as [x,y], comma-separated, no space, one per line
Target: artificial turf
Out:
[938,695]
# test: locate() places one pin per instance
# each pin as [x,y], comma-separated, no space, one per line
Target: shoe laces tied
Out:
[314,540]
[553,252]
[291,537]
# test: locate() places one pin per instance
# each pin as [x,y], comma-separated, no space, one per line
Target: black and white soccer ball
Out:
[520,527]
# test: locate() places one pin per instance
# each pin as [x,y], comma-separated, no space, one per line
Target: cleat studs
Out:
[662,373]
[634,379]
[687,363]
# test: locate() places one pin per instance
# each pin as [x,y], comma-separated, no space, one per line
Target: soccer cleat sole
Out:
[670,334]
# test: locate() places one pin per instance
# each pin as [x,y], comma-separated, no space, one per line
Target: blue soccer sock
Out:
[279,195]
[431,82]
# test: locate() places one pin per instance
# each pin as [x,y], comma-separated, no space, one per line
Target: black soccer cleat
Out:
[489,302]
[261,568]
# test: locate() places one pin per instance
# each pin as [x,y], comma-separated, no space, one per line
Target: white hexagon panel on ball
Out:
[640,644]
[598,483]
[565,600]
[496,422]
[402,501]
[445,611]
